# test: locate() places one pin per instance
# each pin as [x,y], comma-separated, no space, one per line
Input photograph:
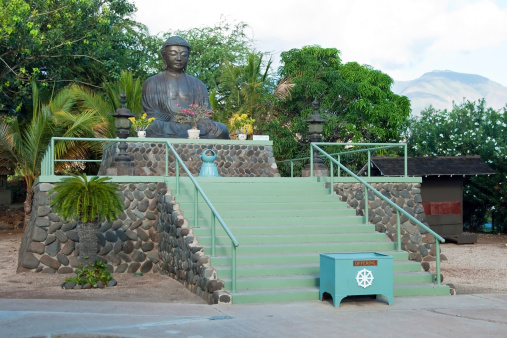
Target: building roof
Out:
[430,166]
[6,167]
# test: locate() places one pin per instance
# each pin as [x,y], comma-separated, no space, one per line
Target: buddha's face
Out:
[176,58]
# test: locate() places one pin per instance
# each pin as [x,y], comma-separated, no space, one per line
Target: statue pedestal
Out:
[234,158]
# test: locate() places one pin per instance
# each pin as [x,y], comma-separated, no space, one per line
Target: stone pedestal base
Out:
[319,169]
[121,169]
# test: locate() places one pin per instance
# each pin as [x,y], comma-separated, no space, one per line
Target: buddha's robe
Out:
[163,96]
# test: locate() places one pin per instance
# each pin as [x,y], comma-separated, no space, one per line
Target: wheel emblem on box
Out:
[364,278]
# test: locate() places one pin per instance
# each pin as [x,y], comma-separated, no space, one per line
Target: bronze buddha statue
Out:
[167,93]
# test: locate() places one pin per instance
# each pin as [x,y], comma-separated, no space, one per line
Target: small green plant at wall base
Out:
[91,274]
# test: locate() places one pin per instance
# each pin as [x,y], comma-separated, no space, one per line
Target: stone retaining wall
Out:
[150,236]
[233,160]
[415,240]
[181,256]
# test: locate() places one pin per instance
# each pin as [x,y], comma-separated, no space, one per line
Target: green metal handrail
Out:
[380,146]
[398,209]
[48,168]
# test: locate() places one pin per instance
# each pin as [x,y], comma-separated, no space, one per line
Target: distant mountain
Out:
[439,88]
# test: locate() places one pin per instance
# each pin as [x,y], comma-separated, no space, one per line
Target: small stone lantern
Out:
[122,115]
[315,129]
[122,161]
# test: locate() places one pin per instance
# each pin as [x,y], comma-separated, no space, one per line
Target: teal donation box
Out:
[356,274]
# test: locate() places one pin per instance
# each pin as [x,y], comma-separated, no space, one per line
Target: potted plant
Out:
[88,202]
[242,125]
[191,115]
[141,124]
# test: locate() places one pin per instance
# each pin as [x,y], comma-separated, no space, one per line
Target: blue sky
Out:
[403,38]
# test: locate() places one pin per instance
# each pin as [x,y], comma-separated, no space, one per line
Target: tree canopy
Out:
[470,128]
[213,47]
[356,101]
[67,41]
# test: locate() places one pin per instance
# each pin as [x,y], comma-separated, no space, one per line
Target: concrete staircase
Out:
[282,225]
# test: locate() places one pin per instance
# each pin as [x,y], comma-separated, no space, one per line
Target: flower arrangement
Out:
[141,123]
[242,123]
[193,114]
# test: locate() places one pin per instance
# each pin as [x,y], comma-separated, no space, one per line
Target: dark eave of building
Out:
[430,166]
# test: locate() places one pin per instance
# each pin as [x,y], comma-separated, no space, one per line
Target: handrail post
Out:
[398,231]
[213,244]
[366,219]
[311,160]
[52,158]
[233,272]
[177,178]
[437,251]
[167,162]
[369,163]
[291,168]
[406,164]
[196,206]
[339,169]
[331,179]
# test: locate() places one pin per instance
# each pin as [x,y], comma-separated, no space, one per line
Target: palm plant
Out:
[23,144]
[246,89]
[89,202]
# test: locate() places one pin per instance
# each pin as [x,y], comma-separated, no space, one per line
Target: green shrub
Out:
[91,274]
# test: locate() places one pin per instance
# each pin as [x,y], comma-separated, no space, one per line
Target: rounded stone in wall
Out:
[133,267]
[72,235]
[50,262]
[111,236]
[101,239]
[62,259]
[117,246]
[68,248]
[37,247]
[122,268]
[30,261]
[39,235]
[147,266]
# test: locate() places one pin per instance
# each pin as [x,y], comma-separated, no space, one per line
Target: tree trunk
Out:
[88,244]
[27,205]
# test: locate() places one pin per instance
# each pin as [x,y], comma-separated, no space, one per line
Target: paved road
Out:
[447,316]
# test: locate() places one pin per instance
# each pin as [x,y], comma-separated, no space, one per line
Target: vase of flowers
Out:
[141,124]
[191,115]
[242,125]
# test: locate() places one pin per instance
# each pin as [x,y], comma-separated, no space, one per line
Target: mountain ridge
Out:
[440,88]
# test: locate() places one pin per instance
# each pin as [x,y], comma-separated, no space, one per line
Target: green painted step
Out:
[282,226]
[266,221]
[312,293]
[400,262]
[406,290]
[297,238]
[287,229]
[228,213]
[305,247]
[238,205]
[261,198]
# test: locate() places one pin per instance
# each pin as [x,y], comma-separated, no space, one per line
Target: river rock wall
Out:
[415,240]
[233,160]
[151,235]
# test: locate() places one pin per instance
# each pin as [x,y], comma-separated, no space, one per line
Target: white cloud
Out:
[396,36]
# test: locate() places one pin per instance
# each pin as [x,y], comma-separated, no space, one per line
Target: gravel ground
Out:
[476,268]
[472,269]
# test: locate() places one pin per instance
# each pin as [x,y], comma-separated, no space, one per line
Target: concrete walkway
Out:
[449,316]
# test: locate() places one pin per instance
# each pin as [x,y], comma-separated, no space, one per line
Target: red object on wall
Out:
[442,208]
